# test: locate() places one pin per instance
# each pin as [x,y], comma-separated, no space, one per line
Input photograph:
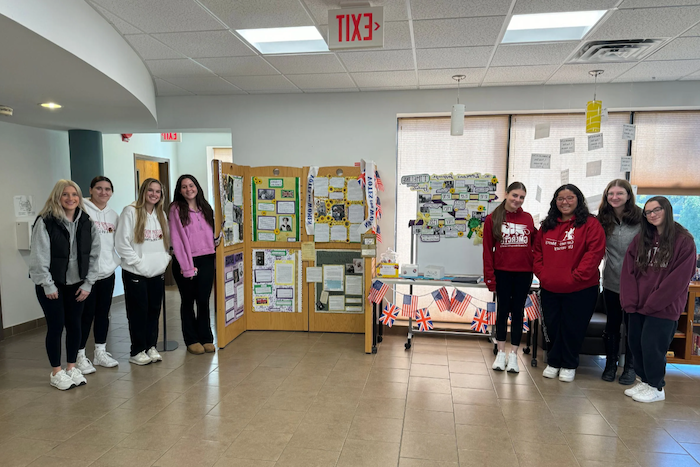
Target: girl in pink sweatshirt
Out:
[192,230]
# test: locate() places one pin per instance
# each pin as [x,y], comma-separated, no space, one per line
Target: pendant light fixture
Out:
[594,108]
[457,119]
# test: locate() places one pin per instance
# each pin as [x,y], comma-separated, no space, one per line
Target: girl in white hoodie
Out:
[98,303]
[142,243]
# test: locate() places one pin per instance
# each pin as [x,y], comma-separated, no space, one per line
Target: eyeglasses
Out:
[568,199]
[654,211]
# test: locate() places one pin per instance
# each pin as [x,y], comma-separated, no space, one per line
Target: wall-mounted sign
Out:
[171,137]
[356,28]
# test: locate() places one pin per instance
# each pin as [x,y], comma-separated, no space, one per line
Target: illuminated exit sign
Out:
[171,137]
[356,28]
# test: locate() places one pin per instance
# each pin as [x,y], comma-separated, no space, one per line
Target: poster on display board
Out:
[275,209]
[340,288]
[234,289]
[276,274]
[232,206]
[339,209]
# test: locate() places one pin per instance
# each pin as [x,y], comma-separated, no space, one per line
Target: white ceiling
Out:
[191,47]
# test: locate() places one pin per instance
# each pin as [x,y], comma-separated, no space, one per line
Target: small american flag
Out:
[526,324]
[389,314]
[492,317]
[378,233]
[442,299]
[532,307]
[409,306]
[380,183]
[460,302]
[379,289]
[379,208]
[480,321]
[361,179]
[423,320]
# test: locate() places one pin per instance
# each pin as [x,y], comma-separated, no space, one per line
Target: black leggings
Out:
[62,312]
[197,289]
[649,339]
[143,297]
[511,292]
[613,309]
[97,307]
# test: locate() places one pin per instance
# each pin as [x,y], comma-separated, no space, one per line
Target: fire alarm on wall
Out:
[6,111]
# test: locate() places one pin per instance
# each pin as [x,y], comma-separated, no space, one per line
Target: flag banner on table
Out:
[423,320]
[377,292]
[526,324]
[442,299]
[533,309]
[492,317]
[409,306]
[380,183]
[480,321]
[491,310]
[377,231]
[389,314]
[379,208]
[460,302]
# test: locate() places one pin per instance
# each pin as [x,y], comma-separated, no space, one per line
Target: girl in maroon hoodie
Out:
[509,233]
[568,250]
[657,268]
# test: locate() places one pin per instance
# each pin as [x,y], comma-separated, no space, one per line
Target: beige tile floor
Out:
[300,399]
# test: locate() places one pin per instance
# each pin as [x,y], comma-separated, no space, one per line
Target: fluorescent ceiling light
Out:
[285,40]
[51,105]
[543,27]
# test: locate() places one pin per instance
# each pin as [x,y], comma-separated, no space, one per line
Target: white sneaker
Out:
[636,389]
[84,364]
[104,358]
[140,359]
[500,363]
[567,375]
[155,356]
[550,372]
[61,380]
[77,376]
[650,394]
[512,363]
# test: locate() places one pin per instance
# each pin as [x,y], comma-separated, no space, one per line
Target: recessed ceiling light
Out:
[51,105]
[545,27]
[285,40]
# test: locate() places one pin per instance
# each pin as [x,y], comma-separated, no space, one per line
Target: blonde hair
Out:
[53,207]
[140,206]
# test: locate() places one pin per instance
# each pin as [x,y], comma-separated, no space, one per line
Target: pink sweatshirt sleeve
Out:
[181,244]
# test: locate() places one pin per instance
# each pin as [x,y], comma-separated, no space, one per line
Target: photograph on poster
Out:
[338,212]
[286,225]
[276,198]
[350,268]
[276,285]
[358,265]
[338,204]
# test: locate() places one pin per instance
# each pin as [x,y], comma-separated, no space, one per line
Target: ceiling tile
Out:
[578,73]
[170,16]
[259,13]
[453,57]
[385,79]
[444,77]
[118,23]
[263,83]
[238,66]
[394,10]
[206,85]
[164,88]
[323,81]
[655,3]
[659,71]
[692,77]
[206,44]
[646,23]
[533,54]
[309,63]
[516,74]
[457,32]
[694,31]
[176,67]
[397,35]
[521,83]
[432,9]
[149,48]
[523,7]
[683,48]
[378,60]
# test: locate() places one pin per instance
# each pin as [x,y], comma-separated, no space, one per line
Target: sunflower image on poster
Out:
[275,209]
[339,209]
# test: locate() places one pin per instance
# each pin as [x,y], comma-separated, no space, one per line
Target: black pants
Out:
[97,307]
[511,292]
[65,311]
[197,289]
[143,299]
[615,317]
[649,339]
[566,318]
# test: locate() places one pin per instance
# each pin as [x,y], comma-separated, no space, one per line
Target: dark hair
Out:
[581,213]
[631,214]
[499,214]
[184,209]
[667,238]
[101,178]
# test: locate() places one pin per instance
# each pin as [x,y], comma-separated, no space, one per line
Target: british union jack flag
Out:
[389,314]
[480,321]
[423,320]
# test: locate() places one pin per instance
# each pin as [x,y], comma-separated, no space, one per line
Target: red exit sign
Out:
[356,28]
[171,137]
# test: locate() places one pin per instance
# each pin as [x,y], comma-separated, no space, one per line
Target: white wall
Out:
[32,160]
[192,155]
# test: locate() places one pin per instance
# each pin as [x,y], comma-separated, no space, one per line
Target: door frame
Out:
[164,173]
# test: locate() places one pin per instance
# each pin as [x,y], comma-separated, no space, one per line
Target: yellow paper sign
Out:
[308,251]
[594,110]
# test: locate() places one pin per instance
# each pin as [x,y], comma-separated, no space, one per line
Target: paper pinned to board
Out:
[567,145]
[538,195]
[595,141]
[541,130]
[629,131]
[626,164]
[354,191]
[565,177]
[540,161]
[321,187]
[314,274]
[322,233]
[594,168]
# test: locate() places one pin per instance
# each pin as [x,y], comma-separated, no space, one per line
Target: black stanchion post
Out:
[166,345]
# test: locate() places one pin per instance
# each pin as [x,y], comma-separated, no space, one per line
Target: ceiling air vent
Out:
[630,50]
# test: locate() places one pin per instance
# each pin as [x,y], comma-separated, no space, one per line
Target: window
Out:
[686,211]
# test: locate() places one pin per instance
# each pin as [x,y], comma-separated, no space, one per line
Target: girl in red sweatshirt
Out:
[568,250]
[657,268]
[509,234]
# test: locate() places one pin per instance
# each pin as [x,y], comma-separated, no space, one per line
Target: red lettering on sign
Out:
[347,28]
[368,26]
[356,27]
[340,27]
